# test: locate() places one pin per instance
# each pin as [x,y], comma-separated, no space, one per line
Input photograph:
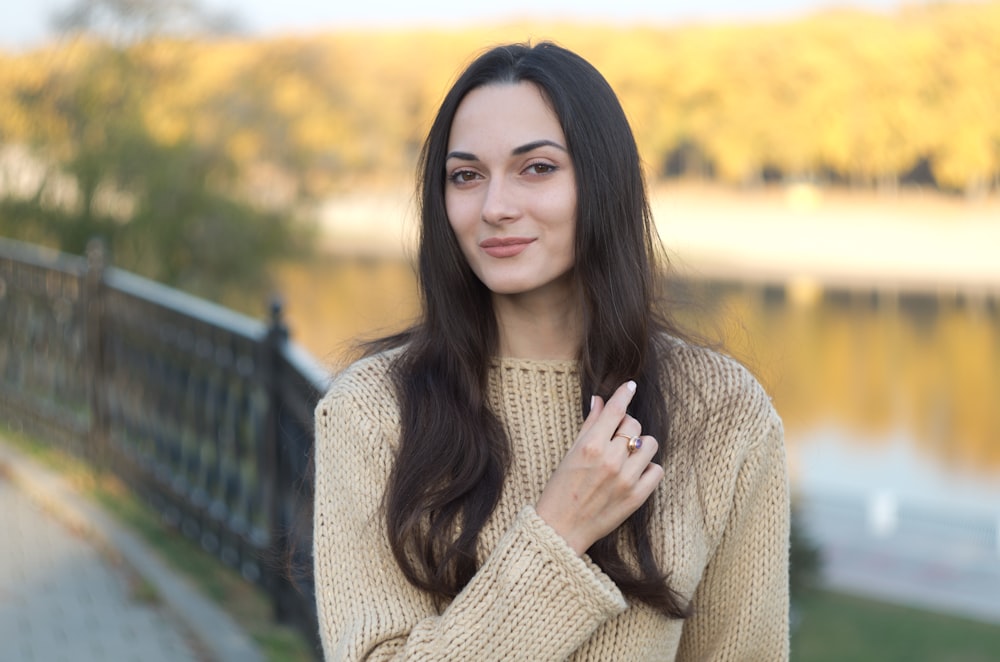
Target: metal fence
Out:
[204,413]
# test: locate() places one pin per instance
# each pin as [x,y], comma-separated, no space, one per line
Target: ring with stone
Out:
[634,443]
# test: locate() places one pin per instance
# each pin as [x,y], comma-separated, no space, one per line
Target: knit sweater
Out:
[719,528]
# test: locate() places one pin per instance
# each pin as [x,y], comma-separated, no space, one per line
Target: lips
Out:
[505,246]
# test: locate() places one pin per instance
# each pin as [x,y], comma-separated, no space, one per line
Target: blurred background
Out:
[825,178]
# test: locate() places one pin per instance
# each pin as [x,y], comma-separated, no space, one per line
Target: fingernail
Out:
[593,399]
[630,386]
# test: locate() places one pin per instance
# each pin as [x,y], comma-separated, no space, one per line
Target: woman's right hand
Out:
[599,483]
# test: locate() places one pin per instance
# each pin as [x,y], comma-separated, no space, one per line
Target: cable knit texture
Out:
[720,528]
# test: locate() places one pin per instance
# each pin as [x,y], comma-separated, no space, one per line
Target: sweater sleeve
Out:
[532,599]
[741,604]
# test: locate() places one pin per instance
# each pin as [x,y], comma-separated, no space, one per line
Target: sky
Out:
[25,24]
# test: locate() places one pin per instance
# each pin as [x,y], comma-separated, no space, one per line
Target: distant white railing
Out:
[882,516]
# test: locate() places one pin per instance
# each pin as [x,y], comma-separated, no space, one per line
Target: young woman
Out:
[541,468]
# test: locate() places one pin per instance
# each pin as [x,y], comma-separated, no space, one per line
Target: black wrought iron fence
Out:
[205,413]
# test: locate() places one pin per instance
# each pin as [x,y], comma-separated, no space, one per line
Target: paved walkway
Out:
[74,585]
[62,599]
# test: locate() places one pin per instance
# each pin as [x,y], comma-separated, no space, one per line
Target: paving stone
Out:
[63,599]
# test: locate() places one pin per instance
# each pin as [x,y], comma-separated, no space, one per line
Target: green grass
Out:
[249,606]
[837,627]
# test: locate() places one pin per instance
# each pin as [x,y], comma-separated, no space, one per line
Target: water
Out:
[880,396]
[906,391]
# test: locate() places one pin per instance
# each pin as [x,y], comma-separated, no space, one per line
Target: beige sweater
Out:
[720,528]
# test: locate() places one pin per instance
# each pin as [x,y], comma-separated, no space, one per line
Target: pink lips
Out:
[505,247]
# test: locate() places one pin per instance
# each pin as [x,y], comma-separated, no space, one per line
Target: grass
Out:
[838,627]
[248,605]
[834,627]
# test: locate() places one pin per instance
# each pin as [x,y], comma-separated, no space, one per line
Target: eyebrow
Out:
[517,151]
[524,149]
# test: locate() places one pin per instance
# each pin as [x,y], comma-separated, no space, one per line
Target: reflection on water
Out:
[878,394]
[335,301]
[885,382]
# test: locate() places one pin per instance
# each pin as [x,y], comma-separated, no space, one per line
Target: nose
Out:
[499,204]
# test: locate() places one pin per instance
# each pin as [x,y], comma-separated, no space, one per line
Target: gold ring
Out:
[634,444]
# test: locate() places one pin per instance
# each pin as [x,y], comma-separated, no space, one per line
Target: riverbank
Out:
[798,235]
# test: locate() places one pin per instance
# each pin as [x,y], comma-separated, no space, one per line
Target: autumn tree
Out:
[167,209]
[841,95]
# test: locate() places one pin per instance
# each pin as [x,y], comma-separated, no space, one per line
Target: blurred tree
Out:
[124,22]
[966,95]
[844,95]
[167,210]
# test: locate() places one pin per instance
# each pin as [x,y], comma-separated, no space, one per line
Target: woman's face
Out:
[510,191]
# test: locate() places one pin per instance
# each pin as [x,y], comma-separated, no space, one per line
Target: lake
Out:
[879,395]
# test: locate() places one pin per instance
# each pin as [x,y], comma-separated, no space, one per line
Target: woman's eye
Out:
[541,168]
[463,176]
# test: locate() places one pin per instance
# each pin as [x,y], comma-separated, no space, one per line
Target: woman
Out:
[540,468]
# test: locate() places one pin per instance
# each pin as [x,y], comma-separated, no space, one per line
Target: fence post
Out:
[94,325]
[274,344]
[997,531]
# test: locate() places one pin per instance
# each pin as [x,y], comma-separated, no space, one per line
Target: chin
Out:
[506,289]
[505,284]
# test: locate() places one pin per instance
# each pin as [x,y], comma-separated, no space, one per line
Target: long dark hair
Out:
[453,453]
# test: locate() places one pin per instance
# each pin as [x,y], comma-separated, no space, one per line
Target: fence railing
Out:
[204,413]
[942,533]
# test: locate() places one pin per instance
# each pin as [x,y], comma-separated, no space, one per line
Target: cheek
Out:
[451,213]
[562,213]
[461,215]
[563,204]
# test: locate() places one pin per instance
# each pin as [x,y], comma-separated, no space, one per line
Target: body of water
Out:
[883,397]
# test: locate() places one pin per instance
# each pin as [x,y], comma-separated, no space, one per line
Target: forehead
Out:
[504,115]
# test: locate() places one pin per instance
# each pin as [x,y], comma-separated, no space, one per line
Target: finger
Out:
[629,427]
[651,476]
[596,406]
[623,436]
[636,463]
[614,410]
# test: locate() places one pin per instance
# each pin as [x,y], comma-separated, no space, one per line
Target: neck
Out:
[534,329]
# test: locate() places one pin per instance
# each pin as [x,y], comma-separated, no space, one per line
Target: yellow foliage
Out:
[861,95]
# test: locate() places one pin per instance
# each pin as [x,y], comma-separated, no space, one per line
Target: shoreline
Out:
[794,235]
